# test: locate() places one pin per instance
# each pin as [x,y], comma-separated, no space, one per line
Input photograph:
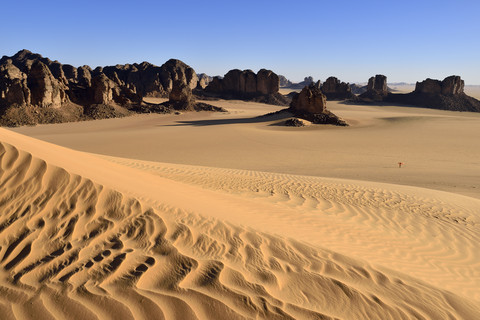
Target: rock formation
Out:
[246,85]
[336,90]
[37,90]
[377,89]
[446,95]
[310,104]
[203,80]
[284,82]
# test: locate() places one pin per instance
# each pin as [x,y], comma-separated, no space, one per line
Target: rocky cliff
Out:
[445,95]
[34,89]
[247,85]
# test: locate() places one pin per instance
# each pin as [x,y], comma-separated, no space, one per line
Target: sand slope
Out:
[87,238]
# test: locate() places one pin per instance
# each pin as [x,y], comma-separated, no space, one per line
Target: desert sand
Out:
[226,216]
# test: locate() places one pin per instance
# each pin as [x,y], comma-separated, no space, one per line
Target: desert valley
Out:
[152,192]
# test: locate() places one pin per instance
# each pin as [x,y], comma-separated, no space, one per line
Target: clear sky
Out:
[352,40]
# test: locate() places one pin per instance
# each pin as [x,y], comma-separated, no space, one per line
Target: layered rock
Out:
[445,95]
[311,104]
[334,89]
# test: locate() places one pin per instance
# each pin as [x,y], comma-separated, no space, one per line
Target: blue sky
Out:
[353,40]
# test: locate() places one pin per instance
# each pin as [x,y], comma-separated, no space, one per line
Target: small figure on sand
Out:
[400,164]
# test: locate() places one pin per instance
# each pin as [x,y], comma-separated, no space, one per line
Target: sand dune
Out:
[81,239]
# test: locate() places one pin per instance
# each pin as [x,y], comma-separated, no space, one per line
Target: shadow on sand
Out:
[214,122]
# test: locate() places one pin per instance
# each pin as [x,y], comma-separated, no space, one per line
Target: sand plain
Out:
[217,216]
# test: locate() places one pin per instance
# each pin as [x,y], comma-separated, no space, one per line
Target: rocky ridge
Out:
[34,89]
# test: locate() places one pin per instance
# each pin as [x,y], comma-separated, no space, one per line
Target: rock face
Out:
[445,95]
[14,90]
[377,89]
[237,84]
[245,83]
[311,100]
[181,96]
[336,90]
[311,104]
[452,85]
[45,91]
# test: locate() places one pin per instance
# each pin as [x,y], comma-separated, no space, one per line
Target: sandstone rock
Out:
[311,100]
[85,76]
[181,96]
[13,86]
[452,85]
[334,89]
[103,89]
[175,69]
[245,84]
[378,84]
[377,89]
[46,91]
[267,82]
[430,86]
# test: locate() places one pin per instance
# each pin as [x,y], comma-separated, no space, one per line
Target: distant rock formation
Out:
[356,89]
[246,85]
[311,104]
[284,82]
[445,95]
[307,81]
[34,89]
[377,89]
[336,90]
[203,80]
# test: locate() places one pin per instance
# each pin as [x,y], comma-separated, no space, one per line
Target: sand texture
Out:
[207,216]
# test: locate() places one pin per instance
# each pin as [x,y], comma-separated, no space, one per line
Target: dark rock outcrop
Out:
[34,89]
[310,104]
[336,90]
[377,89]
[294,122]
[246,85]
[445,95]
[14,89]
[203,80]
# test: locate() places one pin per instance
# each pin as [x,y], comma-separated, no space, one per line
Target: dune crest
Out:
[73,248]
